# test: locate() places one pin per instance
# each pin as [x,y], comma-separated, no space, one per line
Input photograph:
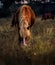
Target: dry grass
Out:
[41,50]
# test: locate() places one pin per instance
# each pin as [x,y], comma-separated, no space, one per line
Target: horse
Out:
[48,15]
[24,19]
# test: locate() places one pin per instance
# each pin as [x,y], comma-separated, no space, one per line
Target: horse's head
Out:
[24,30]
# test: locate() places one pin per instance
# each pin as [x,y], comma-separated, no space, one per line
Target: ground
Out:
[41,50]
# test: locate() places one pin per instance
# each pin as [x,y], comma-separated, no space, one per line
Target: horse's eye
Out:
[28,27]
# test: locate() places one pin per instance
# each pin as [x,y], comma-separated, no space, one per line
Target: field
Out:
[41,50]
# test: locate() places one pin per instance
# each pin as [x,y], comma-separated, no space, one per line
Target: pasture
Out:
[41,50]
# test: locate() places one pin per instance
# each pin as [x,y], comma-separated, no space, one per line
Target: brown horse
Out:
[47,15]
[24,18]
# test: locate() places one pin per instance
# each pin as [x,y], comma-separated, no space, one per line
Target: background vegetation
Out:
[41,50]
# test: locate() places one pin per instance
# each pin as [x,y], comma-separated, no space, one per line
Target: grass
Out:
[42,44]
